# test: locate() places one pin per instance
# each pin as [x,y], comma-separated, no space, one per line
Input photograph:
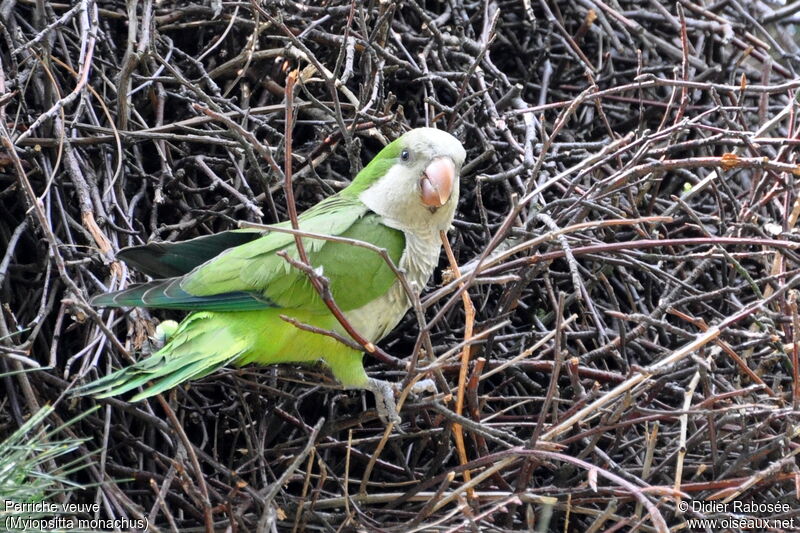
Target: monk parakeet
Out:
[237,286]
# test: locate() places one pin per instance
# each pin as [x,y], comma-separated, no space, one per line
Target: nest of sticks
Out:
[621,335]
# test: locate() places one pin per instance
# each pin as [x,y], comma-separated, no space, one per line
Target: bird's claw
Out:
[424,385]
[384,401]
[385,393]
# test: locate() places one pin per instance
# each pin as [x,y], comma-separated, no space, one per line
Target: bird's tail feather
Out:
[198,347]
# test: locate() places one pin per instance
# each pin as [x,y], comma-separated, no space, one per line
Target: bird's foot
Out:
[424,385]
[164,332]
[384,400]
[385,396]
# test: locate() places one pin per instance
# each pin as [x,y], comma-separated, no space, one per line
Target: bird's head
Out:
[413,182]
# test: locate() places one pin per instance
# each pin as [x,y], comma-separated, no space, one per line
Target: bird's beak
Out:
[437,182]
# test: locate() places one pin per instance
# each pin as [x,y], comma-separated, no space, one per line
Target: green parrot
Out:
[237,286]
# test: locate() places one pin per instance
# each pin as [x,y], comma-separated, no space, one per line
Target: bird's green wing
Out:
[253,276]
[171,259]
[357,275]
[167,294]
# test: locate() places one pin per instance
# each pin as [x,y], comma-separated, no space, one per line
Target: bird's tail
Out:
[200,345]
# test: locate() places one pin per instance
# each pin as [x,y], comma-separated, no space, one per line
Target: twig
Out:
[469,321]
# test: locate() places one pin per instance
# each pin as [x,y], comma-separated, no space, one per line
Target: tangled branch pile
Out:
[626,232]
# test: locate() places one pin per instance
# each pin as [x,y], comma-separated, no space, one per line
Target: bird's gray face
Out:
[421,189]
[430,173]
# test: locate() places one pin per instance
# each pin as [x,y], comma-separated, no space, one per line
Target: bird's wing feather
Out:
[171,259]
[167,294]
[252,276]
[357,275]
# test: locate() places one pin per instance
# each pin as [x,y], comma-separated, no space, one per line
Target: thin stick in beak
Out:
[437,182]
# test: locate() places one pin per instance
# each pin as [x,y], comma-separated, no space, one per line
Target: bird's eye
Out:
[404,155]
